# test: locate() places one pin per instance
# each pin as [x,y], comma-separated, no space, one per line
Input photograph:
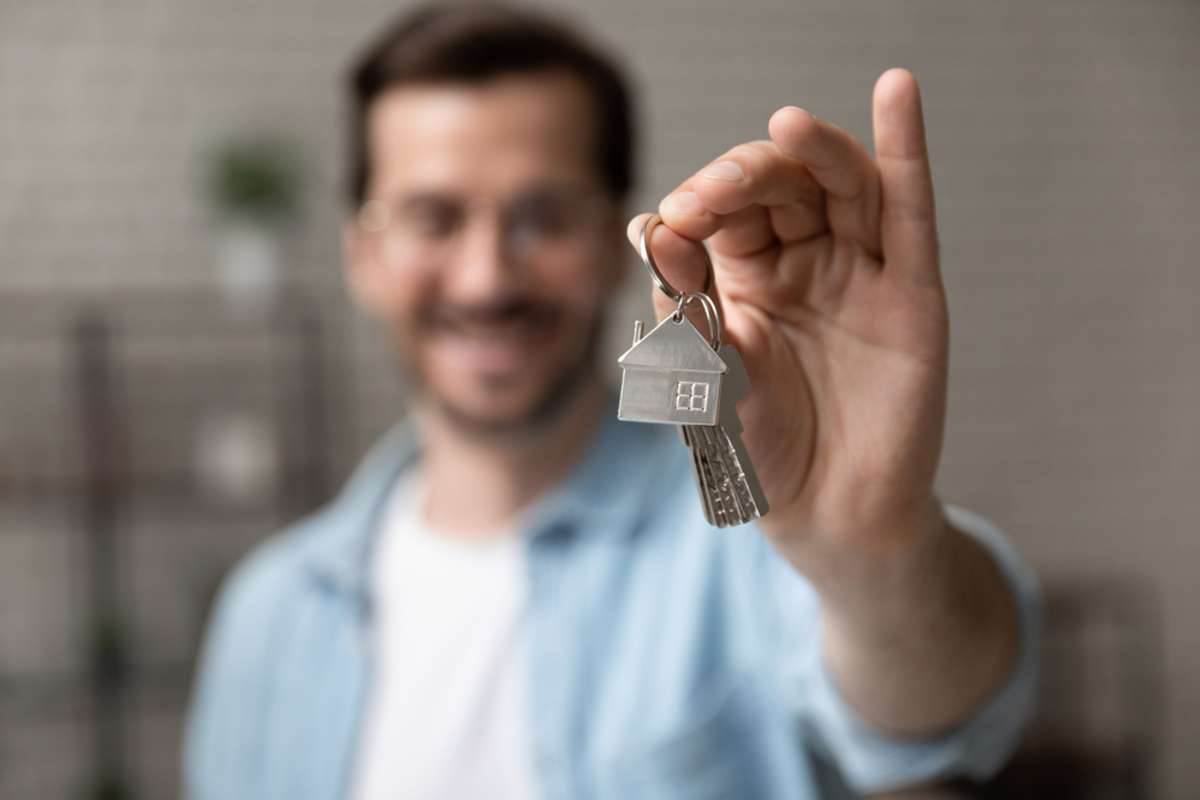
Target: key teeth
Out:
[729,492]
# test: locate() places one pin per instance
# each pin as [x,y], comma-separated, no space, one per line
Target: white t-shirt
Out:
[447,715]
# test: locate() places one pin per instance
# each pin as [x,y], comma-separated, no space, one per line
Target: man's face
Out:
[487,245]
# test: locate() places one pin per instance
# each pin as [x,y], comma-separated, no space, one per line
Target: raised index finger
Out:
[908,224]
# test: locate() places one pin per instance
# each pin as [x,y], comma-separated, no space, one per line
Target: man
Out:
[517,595]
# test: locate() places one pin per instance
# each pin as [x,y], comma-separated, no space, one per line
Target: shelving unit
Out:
[111,540]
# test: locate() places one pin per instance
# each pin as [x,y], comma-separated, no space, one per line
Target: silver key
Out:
[674,375]
[729,487]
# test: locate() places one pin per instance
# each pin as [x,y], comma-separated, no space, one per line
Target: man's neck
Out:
[475,484]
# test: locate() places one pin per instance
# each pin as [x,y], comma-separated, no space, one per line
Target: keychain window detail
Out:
[691,396]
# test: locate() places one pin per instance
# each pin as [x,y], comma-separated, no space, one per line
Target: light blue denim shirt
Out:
[669,659]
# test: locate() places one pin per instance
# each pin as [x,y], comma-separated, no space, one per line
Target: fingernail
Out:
[724,171]
[633,230]
[686,203]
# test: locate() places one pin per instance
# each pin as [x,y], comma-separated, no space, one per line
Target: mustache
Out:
[512,308]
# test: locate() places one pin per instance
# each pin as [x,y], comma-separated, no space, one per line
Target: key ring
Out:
[659,279]
[711,313]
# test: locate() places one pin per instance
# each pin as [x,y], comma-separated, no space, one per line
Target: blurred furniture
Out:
[146,442]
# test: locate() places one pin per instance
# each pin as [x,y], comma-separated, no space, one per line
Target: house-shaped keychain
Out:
[672,376]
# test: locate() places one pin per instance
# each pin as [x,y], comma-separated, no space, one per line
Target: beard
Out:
[554,397]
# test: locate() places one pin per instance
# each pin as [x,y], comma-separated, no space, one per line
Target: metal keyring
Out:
[711,313]
[660,281]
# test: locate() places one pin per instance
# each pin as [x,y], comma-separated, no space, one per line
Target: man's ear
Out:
[360,270]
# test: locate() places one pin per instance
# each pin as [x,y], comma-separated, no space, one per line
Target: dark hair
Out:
[476,42]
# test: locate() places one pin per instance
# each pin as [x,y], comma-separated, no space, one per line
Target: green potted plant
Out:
[254,191]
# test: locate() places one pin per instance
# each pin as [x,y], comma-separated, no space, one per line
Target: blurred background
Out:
[181,372]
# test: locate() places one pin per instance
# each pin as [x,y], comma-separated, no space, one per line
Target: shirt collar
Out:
[605,492]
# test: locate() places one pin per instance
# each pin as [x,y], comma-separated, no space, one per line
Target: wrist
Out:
[872,551]
[942,609]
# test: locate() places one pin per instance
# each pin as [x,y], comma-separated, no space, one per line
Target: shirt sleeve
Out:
[870,760]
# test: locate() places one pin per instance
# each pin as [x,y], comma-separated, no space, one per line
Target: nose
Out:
[482,267]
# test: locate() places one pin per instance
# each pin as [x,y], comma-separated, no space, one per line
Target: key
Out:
[729,488]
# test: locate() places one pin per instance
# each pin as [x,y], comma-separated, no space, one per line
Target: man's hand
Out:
[825,263]
[826,267]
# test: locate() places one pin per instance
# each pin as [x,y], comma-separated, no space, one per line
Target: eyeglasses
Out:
[539,224]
